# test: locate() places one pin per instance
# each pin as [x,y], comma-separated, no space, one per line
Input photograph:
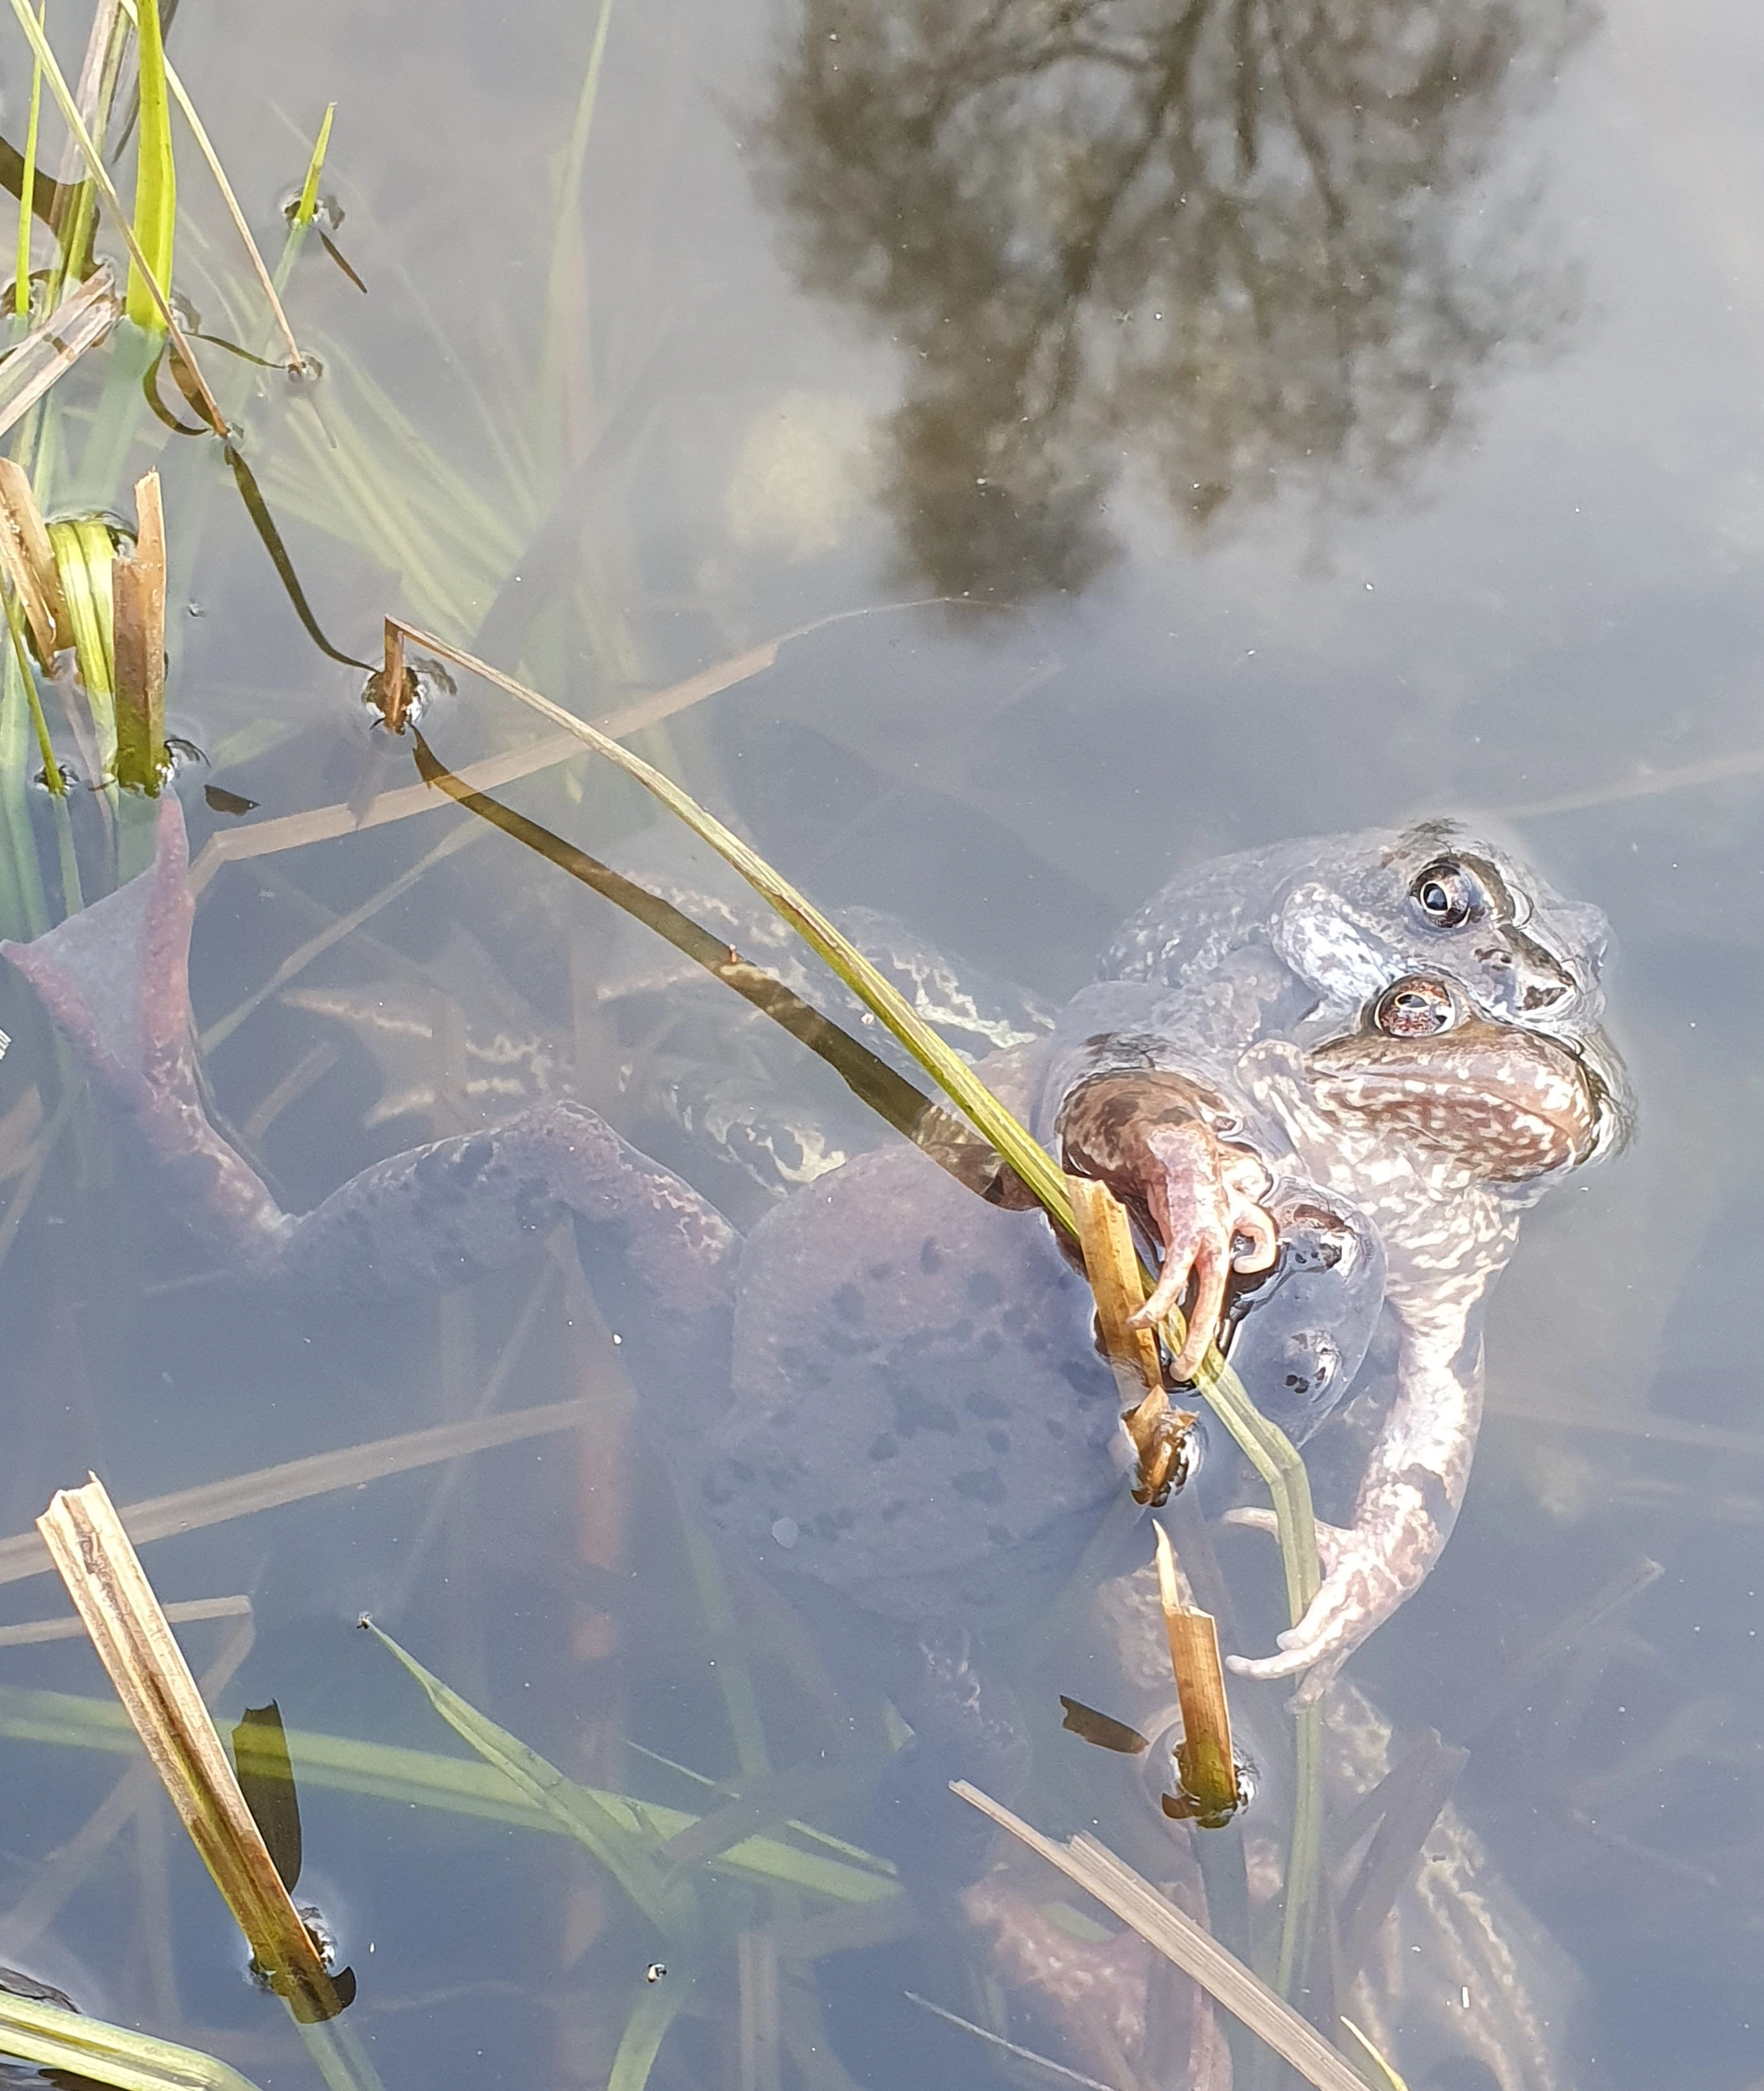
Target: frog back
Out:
[919,1415]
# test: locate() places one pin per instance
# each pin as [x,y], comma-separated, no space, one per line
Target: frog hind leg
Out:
[115,979]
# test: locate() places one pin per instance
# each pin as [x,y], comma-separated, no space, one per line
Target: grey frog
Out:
[893,1386]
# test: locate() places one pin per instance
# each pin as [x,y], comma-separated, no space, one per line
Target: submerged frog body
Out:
[890,1386]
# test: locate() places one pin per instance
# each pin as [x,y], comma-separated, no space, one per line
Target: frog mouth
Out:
[1427,1069]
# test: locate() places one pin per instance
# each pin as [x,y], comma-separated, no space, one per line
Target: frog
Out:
[1328,1108]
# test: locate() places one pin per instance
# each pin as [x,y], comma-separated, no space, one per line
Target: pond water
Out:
[1150,433]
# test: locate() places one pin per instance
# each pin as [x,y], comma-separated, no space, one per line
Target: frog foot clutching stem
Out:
[1153,1137]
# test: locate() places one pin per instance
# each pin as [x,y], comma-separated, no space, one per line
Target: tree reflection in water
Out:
[1250,245]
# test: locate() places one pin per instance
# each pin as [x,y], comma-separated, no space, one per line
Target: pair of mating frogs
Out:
[1326,1078]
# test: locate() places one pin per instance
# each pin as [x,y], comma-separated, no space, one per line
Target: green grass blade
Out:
[21,284]
[464,1786]
[100,174]
[56,2038]
[156,178]
[945,1067]
[564,226]
[629,1854]
[315,167]
[206,147]
[656,2010]
[1384,2075]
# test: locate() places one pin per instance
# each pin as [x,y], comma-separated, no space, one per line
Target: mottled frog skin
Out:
[890,1386]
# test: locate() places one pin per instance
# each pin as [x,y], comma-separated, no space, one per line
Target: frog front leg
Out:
[1408,1501]
[1160,1140]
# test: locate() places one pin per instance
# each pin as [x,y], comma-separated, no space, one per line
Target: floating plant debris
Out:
[1102,1729]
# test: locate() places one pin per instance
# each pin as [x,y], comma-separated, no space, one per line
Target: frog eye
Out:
[1447,894]
[1415,1008]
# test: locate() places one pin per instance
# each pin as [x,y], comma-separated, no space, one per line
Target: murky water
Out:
[1158,432]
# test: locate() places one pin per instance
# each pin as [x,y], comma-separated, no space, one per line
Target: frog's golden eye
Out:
[1417,1007]
[1447,894]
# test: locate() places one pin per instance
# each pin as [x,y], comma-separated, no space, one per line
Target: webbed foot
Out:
[1368,1573]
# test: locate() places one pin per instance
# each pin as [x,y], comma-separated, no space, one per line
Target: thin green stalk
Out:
[156,177]
[95,167]
[309,202]
[564,224]
[52,774]
[407,1779]
[90,2051]
[958,1082]
[28,911]
[735,1680]
[338,2056]
[205,146]
[21,284]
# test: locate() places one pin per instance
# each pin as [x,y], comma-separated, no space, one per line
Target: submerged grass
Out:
[406,1778]
[90,2050]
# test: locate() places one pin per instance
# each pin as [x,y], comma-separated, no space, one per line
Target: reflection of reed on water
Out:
[1246,246]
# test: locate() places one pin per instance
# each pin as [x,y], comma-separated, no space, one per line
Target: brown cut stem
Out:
[136,1644]
[27,561]
[1111,1264]
[1205,1757]
[138,595]
[394,684]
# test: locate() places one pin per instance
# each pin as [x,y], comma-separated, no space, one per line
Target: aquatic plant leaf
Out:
[27,1632]
[630,1852]
[1387,2075]
[226,188]
[156,179]
[946,1068]
[1181,1941]
[1102,1729]
[52,72]
[1405,1804]
[319,1473]
[266,1779]
[656,2010]
[27,189]
[55,2038]
[315,168]
[264,524]
[47,195]
[138,1648]
[1043,2065]
[889,1094]
[341,259]
[461,1786]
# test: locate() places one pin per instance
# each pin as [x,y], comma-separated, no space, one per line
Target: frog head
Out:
[1370,909]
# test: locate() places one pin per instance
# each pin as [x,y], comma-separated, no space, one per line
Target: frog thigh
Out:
[915,1390]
